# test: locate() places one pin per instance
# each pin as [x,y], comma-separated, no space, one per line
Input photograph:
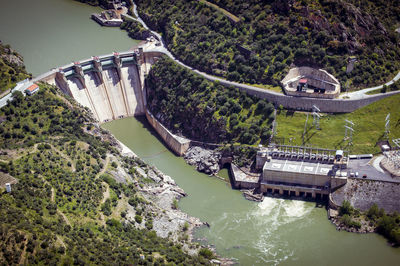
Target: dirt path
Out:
[104,167]
[64,217]
[23,254]
[106,194]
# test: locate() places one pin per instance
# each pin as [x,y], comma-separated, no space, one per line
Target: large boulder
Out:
[206,161]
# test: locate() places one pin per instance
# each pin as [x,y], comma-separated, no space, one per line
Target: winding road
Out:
[356,95]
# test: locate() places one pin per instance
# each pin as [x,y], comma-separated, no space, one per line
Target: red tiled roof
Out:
[303,81]
[32,87]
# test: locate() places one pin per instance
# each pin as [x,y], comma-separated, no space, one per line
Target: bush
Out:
[206,253]
[345,208]
[347,221]
[373,212]
[138,219]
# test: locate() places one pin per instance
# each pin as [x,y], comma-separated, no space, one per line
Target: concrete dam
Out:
[111,86]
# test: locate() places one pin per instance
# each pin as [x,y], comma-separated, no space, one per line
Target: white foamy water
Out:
[296,208]
[266,206]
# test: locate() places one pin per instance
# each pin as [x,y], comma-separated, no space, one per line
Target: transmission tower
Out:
[316,116]
[305,129]
[387,126]
[348,130]
[397,142]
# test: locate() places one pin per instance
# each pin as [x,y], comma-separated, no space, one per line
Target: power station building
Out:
[301,171]
[298,171]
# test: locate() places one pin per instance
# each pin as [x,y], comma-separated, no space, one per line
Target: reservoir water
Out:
[51,33]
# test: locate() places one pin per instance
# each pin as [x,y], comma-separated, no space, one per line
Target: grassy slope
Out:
[369,126]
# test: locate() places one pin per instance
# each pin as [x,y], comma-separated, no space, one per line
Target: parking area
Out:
[358,168]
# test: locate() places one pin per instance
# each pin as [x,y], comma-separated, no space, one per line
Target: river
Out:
[275,231]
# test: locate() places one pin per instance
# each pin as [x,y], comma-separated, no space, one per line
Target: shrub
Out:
[138,219]
[345,208]
[206,253]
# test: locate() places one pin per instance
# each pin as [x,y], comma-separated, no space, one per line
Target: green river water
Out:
[51,33]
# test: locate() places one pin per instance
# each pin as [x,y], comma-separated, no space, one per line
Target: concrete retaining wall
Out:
[239,180]
[177,144]
[305,104]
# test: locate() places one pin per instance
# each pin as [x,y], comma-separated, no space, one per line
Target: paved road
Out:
[363,93]
[21,86]
[162,49]
[366,167]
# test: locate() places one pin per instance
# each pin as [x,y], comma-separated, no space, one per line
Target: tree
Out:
[346,208]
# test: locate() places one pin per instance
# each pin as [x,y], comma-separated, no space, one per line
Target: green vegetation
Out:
[369,127]
[190,105]
[135,29]
[225,12]
[387,225]
[12,68]
[55,214]
[273,34]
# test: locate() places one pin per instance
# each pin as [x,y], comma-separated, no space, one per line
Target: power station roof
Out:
[308,168]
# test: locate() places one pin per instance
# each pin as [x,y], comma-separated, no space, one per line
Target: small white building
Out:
[8,187]
[32,89]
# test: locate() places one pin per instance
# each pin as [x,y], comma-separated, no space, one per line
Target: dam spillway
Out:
[110,86]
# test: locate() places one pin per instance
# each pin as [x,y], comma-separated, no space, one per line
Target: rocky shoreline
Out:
[170,222]
[163,192]
[205,160]
[333,216]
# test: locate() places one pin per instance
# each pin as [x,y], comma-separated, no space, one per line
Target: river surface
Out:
[275,231]
[51,33]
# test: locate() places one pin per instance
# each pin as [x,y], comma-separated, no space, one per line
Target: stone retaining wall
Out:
[362,194]
[177,144]
[305,104]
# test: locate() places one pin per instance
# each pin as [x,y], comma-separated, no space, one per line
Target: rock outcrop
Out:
[206,161]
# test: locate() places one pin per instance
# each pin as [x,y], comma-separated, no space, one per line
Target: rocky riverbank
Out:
[205,160]
[164,194]
[340,226]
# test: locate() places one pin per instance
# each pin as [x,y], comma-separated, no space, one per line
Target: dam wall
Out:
[177,144]
[111,86]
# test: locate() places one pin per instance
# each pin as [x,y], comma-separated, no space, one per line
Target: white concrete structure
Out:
[311,82]
[8,187]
